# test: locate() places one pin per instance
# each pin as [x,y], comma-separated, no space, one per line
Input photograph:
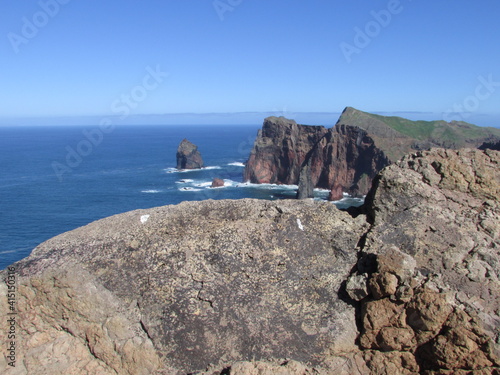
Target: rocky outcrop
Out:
[431,261]
[217,182]
[277,287]
[280,150]
[179,287]
[490,145]
[188,156]
[344,160]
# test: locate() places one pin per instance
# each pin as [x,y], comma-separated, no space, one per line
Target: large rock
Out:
[217,182]
[188,156]
[178,288]
[280,150]
[346,159]
[433,259]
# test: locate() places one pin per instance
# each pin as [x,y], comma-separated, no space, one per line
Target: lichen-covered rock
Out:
[433,254]
[181,287]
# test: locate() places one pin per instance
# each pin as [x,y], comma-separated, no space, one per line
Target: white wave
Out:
[203,184]
[175,170]
[8,251]
[349,198]
[189,189]
[237,164]
[184,181]
[268,186]
[230,183]
[152,191]
[320,190]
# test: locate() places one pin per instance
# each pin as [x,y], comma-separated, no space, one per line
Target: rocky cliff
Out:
[342,159]
[188,156]
[277,287]
[280,150]
[347,157]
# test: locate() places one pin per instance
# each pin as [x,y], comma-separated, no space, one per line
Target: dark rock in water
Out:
[276,287]
[306,186]
[217,182]
[336,193]
[188,156]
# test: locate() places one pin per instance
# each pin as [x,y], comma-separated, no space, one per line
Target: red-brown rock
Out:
[217,182]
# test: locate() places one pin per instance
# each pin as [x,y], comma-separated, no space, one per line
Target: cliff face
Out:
[347,157]
[280,150]
[188,156]
[235,286]
[343,159]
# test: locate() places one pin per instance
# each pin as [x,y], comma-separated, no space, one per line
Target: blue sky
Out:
[83,59]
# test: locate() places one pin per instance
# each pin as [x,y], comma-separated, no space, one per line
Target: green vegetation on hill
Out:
[397,136]
[425,130]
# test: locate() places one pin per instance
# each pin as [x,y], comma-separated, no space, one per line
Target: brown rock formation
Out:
[188,156]
[280,150]
[345,160]
[347,157]
[176,288]
[217,182]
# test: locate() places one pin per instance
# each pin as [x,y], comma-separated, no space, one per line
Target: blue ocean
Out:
[55,178]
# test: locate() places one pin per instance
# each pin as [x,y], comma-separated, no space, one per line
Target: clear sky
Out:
[130,57]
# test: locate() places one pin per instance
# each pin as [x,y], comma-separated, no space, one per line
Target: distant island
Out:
[347,157]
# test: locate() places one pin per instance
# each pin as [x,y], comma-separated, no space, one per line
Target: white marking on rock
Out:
[144,218]
[301,227]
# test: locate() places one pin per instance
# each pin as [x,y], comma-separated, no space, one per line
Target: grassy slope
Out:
[437,130]
[397,136]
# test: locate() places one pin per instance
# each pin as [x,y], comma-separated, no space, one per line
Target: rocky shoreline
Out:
[407,285]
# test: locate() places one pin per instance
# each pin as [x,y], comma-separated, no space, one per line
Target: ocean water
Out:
[55,179]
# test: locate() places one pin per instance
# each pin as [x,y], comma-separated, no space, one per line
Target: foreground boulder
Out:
[188,156]
[277,287]
[432,261]
[177,288]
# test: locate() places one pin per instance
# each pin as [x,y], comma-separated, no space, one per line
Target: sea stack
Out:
[188,156]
